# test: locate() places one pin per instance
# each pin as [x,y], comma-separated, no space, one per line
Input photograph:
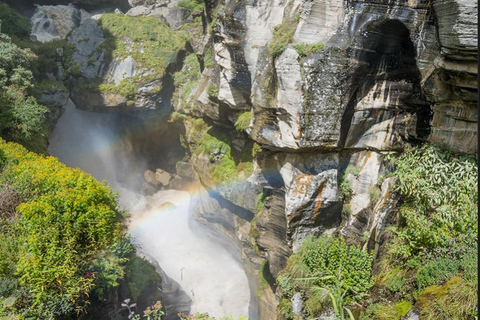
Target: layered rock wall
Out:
[389,76]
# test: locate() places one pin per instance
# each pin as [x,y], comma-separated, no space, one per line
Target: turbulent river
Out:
[161,225]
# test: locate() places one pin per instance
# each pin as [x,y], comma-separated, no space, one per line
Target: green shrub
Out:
[435,272]
[212,90]
[47,58]
[243,121]
[469,265]
[285,307]
[22,119]
[325,262]
[13,23]
[395,280]
[305,49]
[223,167]
[256,149]
[260,202]
[330,255]
[66,221]
[8,286]
[441,196]
[282,36]
[140,273]
[346,188]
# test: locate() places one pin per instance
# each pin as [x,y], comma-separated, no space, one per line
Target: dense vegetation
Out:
[62,235]
[192,5]
[432,261]
[318,267]
[429,263]
[22,118]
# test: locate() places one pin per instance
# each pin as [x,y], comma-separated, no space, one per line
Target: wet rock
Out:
[123,69]
[185,170]
[413,315]
[457,24]
[53,98]
[162,177]
[178,183]
[271,224]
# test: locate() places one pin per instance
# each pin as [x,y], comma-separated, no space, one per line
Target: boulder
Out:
[151,178]
[138,11]
[163,177]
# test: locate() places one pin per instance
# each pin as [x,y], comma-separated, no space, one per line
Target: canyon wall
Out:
[353,82]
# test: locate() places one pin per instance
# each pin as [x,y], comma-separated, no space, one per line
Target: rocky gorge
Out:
[282,116]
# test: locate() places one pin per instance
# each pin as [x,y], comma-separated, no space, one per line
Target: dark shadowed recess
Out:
[384,51]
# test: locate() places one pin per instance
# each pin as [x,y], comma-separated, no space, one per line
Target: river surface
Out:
[161,225]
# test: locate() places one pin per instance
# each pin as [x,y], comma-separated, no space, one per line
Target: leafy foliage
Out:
[13,24]
[441,197]
[436,271]
[65,224]
[326,262]
[21,117]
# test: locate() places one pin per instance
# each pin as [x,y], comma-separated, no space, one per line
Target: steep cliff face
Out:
[353,81]
[290,106]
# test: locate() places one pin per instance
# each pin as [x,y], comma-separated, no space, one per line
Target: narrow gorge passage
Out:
[161,225]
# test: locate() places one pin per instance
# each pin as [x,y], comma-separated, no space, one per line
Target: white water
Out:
[209,274]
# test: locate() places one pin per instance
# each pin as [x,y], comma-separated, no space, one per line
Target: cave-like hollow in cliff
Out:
[383,51]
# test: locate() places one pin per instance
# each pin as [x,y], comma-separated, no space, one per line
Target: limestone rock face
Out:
[364,83]
[55,22]
[94,65]
[138,11]
[87,55]
[288,106]
[312,202]
[389,75]
[174,17]
[452,85]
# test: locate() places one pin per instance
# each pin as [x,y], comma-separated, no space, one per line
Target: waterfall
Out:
[161,225]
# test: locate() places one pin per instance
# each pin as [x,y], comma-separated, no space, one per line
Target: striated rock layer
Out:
[388,75]
[351,82]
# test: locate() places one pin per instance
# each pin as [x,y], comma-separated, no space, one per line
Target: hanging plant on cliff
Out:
[441,197]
